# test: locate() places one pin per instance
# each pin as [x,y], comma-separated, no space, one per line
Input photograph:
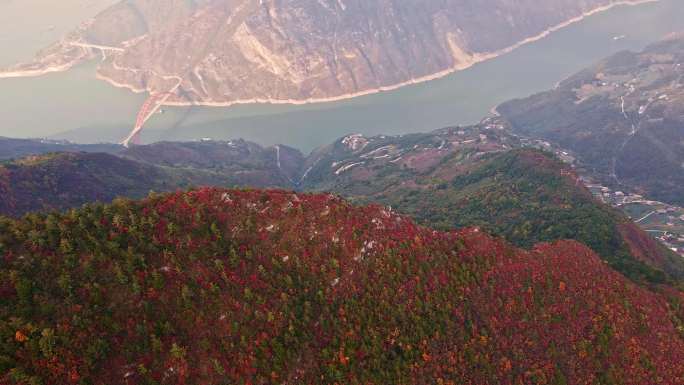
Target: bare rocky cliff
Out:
[224,51]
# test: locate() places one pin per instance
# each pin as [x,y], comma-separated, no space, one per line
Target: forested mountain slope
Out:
[450,178]
[63,180]
[251,164]
[479,176]
[529,197]
[58,181]
[624,117]
[258,287]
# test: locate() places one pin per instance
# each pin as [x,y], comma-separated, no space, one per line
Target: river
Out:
[74,105]
[26,26]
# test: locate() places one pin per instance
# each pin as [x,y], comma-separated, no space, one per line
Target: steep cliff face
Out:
[223,51]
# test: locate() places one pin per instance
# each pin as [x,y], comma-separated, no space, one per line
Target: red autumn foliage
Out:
[257,287]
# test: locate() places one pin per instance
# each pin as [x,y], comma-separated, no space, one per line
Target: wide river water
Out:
[76,106]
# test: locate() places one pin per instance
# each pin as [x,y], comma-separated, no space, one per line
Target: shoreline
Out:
[41,72]
[116,84]
[473,60]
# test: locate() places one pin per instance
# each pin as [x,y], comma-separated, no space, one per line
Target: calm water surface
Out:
[74,105]
[26,26]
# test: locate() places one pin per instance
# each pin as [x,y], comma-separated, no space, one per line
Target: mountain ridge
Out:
[470,176]
[217,283]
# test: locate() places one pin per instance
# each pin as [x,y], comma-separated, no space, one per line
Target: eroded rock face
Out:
[223,51]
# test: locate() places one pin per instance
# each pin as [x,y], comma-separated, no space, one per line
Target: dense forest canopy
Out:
[257,287]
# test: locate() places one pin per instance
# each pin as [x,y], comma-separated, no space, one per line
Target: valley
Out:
[663,221]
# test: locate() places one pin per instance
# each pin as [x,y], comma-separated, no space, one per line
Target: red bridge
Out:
[148,108]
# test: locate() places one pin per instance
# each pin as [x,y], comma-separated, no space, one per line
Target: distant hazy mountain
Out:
[65,180]
[223,51]
[58,181]
[11,148]
[624,117]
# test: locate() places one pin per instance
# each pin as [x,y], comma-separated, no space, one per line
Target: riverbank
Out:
[470,61]
[45,71]
[74,105]
[35,73]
